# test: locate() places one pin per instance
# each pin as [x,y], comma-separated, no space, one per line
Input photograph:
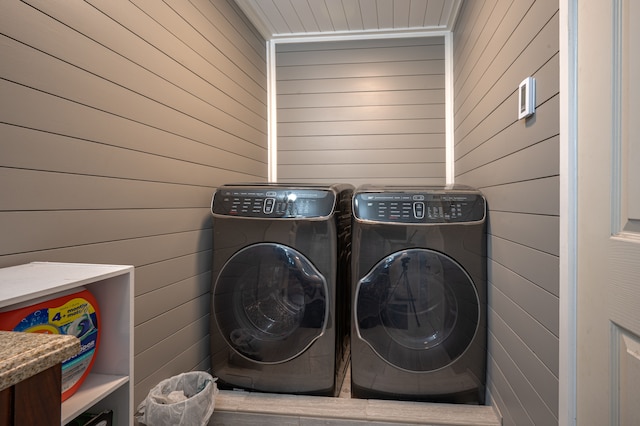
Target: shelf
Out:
[96,387]
[24,283]
[109,386]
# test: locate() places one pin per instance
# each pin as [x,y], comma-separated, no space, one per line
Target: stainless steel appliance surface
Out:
[419,277]
[280,290]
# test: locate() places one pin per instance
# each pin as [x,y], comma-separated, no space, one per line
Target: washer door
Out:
[417,309]
[270,303]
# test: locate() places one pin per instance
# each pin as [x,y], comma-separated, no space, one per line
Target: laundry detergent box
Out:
[75,313]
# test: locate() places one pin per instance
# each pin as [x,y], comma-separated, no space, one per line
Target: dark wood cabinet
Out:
[35,401]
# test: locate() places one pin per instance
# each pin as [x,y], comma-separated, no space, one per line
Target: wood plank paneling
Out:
[172,346]
[362,44]
[466,63]
[165,298]
[362,111]
[502,34]
[533,402]
[369,156]
[364,84]
[385,127]
[231,23]
[157,275]
[362,171]
[60,116]
[361,99]
[24,231]
[137,251]
[157,329]
[499,383]
[532,264]
[40,190]
[118,120]
[39,150]
[532,162]
[533,299]
[506,87]
[510,140]
[516,165]
[537,373]
[361,142]
[536,196]
[359,70]
[539,340]
[464,28]
[222,46]
[532,230]
[119,67]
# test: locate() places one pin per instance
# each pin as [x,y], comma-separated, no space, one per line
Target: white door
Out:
[608,255]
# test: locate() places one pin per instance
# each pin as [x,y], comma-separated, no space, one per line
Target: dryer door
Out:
[270,303]
[417,309]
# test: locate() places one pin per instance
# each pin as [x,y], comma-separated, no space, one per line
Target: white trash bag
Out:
[187,399]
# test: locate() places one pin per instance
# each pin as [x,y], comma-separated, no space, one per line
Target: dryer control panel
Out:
[423,207]
[273,202]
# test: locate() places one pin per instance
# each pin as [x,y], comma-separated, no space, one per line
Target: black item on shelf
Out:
[87,419]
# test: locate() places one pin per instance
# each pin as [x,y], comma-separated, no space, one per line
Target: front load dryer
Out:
[419,294]
[280,291]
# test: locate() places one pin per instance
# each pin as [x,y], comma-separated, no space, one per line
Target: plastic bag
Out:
[187,399]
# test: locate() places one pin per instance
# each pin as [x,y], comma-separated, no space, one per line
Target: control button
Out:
[269,204]
[418,210]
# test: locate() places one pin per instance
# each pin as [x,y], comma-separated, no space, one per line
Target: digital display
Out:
[276,203]
[419,208]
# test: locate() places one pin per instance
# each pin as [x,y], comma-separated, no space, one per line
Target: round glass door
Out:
[417,309]
[270,303]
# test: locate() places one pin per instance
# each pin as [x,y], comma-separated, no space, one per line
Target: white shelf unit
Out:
[109,385]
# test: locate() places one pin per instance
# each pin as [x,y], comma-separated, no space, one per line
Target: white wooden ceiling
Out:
[281,19]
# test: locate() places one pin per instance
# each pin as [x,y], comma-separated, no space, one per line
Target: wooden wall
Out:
[516,164]
[365,111]
[117,120]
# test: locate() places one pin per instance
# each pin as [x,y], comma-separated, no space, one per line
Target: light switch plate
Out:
[526,98]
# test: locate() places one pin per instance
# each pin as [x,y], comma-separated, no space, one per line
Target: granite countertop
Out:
[23,355]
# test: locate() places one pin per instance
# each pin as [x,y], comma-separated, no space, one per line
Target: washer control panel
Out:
[403,207]
[273,202]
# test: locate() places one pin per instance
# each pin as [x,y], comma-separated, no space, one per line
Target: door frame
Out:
[568,32]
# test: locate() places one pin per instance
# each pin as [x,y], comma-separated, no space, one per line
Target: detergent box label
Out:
[75,315]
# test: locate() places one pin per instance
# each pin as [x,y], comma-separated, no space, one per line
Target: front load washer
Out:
[280,291]
[418,330]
